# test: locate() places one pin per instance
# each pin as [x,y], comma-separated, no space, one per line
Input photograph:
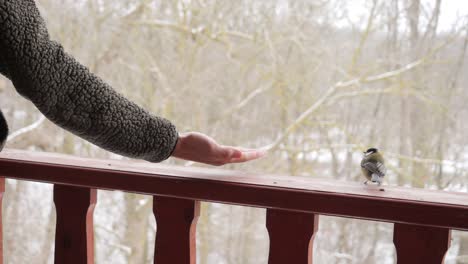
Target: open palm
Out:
[199,147]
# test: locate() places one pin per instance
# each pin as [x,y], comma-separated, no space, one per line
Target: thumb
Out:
[236,154]
[231,153]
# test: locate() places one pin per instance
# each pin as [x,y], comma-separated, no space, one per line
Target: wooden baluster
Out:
[420,244]
[90,226]
[291,236]
[176,221]
[2,191]
[74,235]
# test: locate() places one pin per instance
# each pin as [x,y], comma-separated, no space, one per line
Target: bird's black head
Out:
[371,151]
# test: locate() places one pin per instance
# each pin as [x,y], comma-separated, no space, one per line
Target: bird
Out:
[373,166]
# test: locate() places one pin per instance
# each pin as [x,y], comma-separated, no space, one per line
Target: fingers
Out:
[238,155]
[198,147]
[226,153]
[233,153]
[248,156]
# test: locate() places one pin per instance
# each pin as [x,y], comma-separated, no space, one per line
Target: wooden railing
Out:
[422,219]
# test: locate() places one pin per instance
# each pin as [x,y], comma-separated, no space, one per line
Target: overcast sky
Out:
[451,10]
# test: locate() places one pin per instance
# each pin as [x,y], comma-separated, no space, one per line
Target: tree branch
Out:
[26,129]
[331,91]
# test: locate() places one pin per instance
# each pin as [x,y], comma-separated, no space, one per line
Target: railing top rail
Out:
[323,196]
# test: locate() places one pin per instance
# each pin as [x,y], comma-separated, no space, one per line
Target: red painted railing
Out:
[423,218]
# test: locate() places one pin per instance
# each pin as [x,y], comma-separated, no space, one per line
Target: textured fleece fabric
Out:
[3,131]
[69,95]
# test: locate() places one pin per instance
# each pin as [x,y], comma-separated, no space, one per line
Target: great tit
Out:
[373,166]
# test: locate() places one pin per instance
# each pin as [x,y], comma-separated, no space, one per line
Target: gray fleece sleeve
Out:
[69,95]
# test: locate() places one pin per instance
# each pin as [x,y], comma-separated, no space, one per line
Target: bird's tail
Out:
[3,131]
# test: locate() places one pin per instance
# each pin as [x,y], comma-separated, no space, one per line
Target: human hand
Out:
[198,147]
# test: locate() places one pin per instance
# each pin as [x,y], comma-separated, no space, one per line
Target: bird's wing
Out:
[377,168]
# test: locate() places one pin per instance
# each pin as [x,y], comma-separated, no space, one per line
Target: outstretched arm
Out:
[69,95]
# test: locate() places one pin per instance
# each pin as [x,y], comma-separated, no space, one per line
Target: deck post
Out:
[74,235]
[291,236]
[420,244]
[176,221]
[2,192]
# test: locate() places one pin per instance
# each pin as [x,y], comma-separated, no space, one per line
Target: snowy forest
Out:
[315,81]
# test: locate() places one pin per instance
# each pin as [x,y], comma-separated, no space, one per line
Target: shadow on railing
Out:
[423,218]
